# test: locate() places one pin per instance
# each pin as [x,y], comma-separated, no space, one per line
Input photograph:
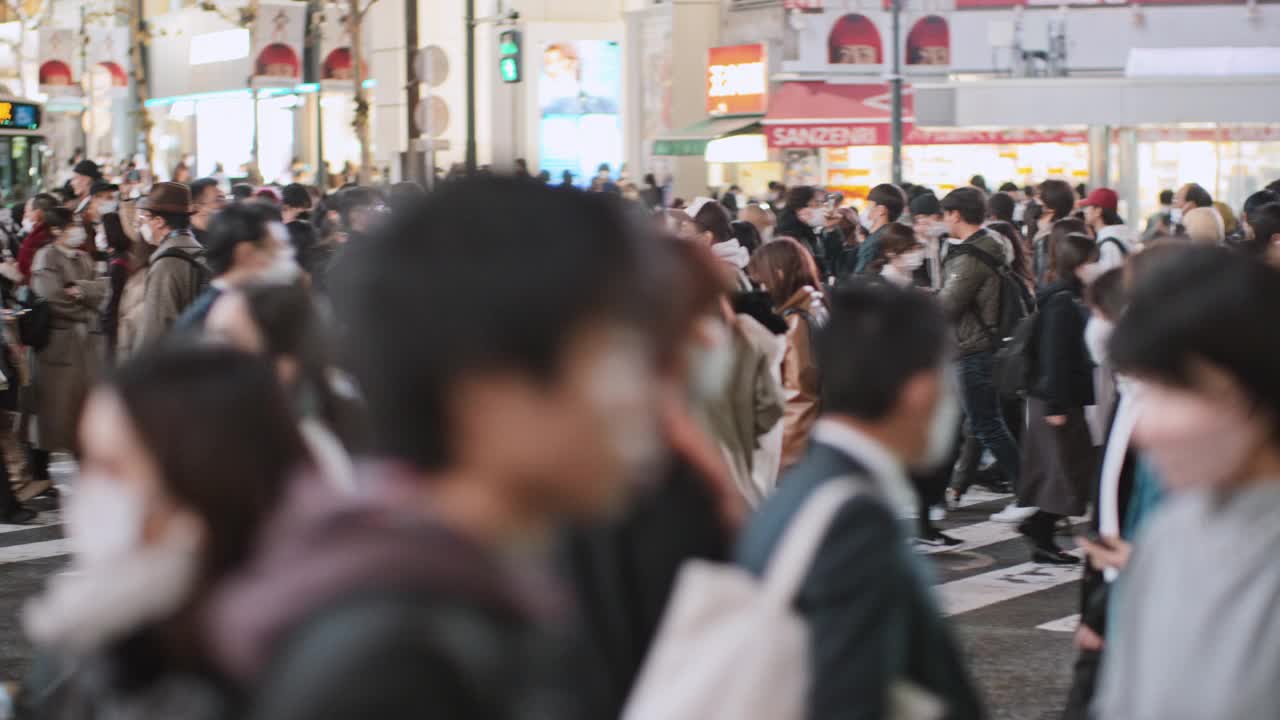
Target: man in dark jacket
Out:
[970,299]
[874,625]
[885,204]
[499,414]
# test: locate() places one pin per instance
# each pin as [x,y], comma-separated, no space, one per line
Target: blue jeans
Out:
[982,413]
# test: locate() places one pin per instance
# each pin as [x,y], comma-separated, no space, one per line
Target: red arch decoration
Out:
[929,42]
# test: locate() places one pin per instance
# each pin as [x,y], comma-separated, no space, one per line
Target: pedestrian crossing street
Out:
[990,567]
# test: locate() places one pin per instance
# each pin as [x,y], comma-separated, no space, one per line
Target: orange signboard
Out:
[737,80]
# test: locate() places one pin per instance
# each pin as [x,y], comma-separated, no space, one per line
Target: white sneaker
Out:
[937,513]
[1014,514]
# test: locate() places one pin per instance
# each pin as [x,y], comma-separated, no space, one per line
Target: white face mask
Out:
[622,388]
[104,520]
[815,218]
[865,219]
[74,237]
[942,428]
[28,226]
[710,367]
[1195,441]
[1097,333]
[147,233]
[1175,215]
[909,261]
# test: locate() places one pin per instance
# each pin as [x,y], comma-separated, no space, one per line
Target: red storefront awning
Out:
[820,114]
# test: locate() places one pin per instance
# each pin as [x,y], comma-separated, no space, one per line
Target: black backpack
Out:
[196,260]
[1013,336]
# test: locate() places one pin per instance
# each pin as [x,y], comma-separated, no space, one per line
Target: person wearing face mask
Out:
[184,456]
[37,231]
[888,406]
[206,202]
[786,270]
[497,418]
[177,271]
[246,243]
[801,218]
[1059,461]
[885,204]
[708,225]
[1196,634]
[64,276]
[1115,241]
[281,323]
[926,217]
[901,255]
[1058,201]
[763,220]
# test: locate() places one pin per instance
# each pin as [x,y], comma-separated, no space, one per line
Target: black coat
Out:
[1064,370]
[790,225]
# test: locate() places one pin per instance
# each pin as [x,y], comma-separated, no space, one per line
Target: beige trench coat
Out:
[67,367]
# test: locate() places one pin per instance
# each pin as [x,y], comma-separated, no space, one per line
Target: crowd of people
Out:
[488,451]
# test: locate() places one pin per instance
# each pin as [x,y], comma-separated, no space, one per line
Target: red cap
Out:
[930,31]
[855,29]
[1104,198]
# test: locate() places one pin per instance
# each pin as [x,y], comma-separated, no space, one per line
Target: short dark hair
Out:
[295,195]
[230,461]
[1108,294]
[799,196]
[890,197]
[354,197]
[174,221]
[1257,200]
[746,234]
[979,182]
[712,217]
[567,259]
[897,239]
[1265,222]
[198,187]
[1000,206]
[878,337]
[970,202]
[44,202]
[1057,234]
[1008,187]
[57,217]
[1205,304]
[404,195]
[1166,197]
[1072,251]
[241,191]
[239,223]
[1057,196]
[1198,196]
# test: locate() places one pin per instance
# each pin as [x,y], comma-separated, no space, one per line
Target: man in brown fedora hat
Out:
[177,272]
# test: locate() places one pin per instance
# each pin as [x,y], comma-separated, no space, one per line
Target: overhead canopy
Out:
[693,140]
[808,114]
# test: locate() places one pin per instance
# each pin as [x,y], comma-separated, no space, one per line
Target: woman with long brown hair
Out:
[788,273]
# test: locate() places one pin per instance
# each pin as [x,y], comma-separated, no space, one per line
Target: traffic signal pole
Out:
[471,85]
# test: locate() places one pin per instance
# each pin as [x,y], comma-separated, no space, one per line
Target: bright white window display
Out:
[1230,170]
[224,134]
[276,120]
[340,143]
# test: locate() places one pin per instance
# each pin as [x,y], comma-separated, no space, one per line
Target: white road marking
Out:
[1067,624]
[974,536]
[976,496]
[978,591]
[34,551]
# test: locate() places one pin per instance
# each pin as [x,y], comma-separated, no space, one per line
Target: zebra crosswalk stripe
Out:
[978,591]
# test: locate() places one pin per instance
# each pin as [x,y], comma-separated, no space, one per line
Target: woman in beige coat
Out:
[788,272]
[63,274]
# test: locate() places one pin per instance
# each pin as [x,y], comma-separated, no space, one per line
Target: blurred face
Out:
[81,184]
[152,228]
[270,260]
[954,222]
[116,464]
[573,446]
[1203,437]
[207,203]
[32,213]
[1093,216]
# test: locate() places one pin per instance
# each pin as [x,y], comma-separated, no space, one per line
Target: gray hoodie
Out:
[1197,626]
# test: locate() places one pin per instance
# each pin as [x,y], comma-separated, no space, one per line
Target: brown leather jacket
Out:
[799,377]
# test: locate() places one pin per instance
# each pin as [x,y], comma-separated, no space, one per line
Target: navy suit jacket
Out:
[867,599]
